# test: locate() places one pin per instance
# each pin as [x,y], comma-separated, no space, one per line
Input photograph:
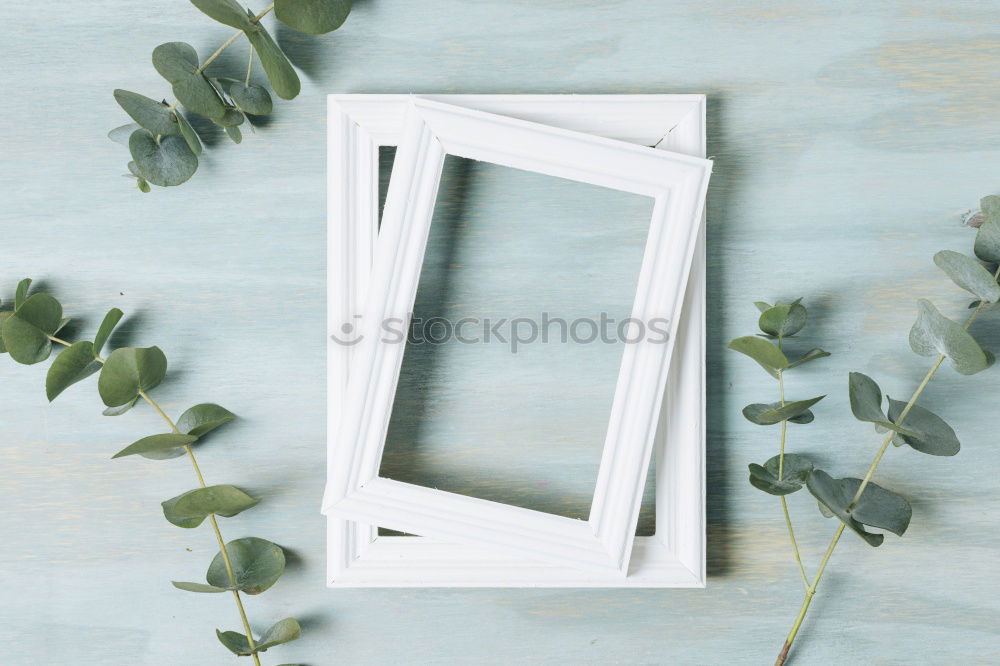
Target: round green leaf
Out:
[252,99]
[934,334]
[167,163]
[191,508]
[177,62]
[228,12]
[866,403]
[121,134]
[927,432]
[231,118]
[198,587]
[877,506]
[27,329]
[21,293]
[75,363]
[283,631]
[775,412]
[129,370]
[794,474]
[234,641]
[783,319]
[171,442]
[150,114]
[313,16]
[766,353]
[203,418]
[104,330]
[279,71]
[968,274]
[235,134]
[257,565]
[987,245]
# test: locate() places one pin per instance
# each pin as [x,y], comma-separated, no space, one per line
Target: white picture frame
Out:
[674,556]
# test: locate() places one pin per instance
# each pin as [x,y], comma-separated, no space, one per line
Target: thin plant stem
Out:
[811,590]
[218,51]
[246,82]
[781,472]
[215,523]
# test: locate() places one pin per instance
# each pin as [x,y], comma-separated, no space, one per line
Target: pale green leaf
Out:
[234,641]
[866,403]
[877,506]
[177,62]
[235,134]
[312,16]
[190,136]
[764,352]
[773,413]
[794,473]
[283,631]
[968,274]
[155,444]
[148,113]
[121,134]
[252,99]
[934,334]
[74,364]
[257,565]
[167,163]
[987,245]
[121,409]
[228,12]
[279,71]
[191,508]
[198,587]
[21,293]
[810,355]
[928,433]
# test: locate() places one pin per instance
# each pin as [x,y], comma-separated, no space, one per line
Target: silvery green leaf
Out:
[190,136]
[968,274]
[312,16]
[810,355]
[823,510]
[231,118]
[235,134]
[21,293]
[3,317]
[257,565]
[121,409]
[283,631]
[252,99]
[987,245]
[762,305]
[773,413]
[148,113]
[121,134]
[234,641]
[783,320]
[133,169]
[27,329]
[766,353]
[934,334]
[877,506]
[167,442]
[73,364]
[228,12]
[928,431]
[198,587]
[990,206]
[794,473]
[191,508]
[177,62]
[129,370]
[143,185]
[203,418]
[167,163]
[104,330]
[866,403]
[279,71]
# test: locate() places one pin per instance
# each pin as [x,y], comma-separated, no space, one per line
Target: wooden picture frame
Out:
[675,555]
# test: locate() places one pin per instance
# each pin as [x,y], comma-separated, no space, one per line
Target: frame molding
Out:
[359,124]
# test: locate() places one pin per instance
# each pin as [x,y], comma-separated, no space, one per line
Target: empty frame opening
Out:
[509,371]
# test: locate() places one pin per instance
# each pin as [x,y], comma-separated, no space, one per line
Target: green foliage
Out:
[313,16]
[968,274]
[783,320]
[777,478]
[163,144]
[934,334]
[191,508]
[126,375]
[925,431]
[129,370]
[776,412]
[810,355]
[877,507]
[235,642]
[866,402]
[767,354]
[987,245]
[257,565]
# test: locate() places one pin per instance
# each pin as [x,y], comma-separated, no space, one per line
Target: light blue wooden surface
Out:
[848,137]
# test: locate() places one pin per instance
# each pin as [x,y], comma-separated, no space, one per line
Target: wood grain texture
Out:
[848,137]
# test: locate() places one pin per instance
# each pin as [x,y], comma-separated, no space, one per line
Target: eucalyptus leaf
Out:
[190,136]
[235,134]
[773,413]
[766,353]
[252,99]
[928,431]
[933,334]
[148,113]
[810,355]
[866,403]
[27,329]
[129,370]
[257,565]
[143,185]
[167,163]
[104,330]
[877,506]
[203,418]
[315,17]
[228,12]
[232,118]
[177,62]
[794,474]
[987,245]
[74,364]
[783,320]
[279,71]
[990,206]
[3,317]
[191,508]
[968,274]
[762,306]
[121,134]
[282,631]
[21,293]
[198,587]
[167,442]
[234,641]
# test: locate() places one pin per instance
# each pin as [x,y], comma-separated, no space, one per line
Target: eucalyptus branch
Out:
[861,504]
[163,144]
[249,565]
